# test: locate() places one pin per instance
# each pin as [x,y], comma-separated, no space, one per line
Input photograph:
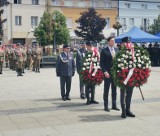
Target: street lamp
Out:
[117,25]
[54,34]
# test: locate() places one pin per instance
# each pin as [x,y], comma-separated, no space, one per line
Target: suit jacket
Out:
[65,65]
[106,59]
[79,58]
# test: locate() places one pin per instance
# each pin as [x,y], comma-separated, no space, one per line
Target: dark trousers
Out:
[81,85]
[65,84]
[90,89]
[107,82]
[125,98]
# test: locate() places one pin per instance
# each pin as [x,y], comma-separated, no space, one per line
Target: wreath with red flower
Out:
[131,67]
[91,72]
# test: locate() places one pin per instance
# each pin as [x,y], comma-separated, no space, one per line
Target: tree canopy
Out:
[155,28]
[90,26]
[52,24]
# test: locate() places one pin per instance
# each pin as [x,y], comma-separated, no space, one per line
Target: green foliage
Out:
[90,26]
[49,26]
[44,32]
[155,28]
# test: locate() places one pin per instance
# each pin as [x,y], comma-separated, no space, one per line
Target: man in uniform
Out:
[24,53]
[29,55]
[126,94]
[65,69]
[38,54]
[107,55]
[79,58]
[1,58]
[19,56]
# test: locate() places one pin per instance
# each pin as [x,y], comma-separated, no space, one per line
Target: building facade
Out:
[140,13]
[24,15]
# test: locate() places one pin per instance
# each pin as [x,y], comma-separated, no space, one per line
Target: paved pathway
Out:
[31,106]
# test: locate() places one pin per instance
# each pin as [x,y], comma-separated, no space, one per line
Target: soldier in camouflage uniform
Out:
[1,59]
[19,55]
[24,53]
[38,53]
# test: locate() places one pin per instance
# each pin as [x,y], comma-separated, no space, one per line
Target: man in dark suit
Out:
[65,69]
[126,94]
[107,55]
[79,59]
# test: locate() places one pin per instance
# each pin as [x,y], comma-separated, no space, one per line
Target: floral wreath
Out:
[131,66]
[91,72]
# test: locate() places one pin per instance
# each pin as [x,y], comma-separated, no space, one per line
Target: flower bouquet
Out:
[91,72]
[131,67]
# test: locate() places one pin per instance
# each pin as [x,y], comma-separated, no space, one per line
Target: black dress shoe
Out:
[68,98]
[115,108]
[83,97]
[64,98]
[123,115]
[94,102]
[88,103]
[106,109]
[129,114]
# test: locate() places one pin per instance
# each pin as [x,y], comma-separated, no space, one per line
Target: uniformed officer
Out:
[29,56]
[24,53]
[126,94]
[79,59]
[90,88]
[38,54]
[1,59]
[65,69]
[19,56]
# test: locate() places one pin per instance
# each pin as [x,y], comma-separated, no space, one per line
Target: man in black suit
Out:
[79,59]
[107,55]
[65,69]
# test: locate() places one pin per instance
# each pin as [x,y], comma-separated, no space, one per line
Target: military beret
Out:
[126,39]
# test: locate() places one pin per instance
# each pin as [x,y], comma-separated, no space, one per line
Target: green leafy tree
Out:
[44,31]
[2,3]
[90,26]
[155,28]
[60,28]
[52,26]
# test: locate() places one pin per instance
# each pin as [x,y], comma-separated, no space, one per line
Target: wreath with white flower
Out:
[131,67]
[91,72]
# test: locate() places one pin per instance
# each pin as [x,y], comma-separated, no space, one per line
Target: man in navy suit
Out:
[106,58]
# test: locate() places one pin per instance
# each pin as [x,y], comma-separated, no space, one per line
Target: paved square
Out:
[31,106]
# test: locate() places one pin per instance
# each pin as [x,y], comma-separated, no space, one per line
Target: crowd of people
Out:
[66,67]
[19,57]
[154,52]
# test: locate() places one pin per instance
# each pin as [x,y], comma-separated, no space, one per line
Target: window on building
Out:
[17,1]
[123,21]
[18,20]
[35,2]
[54,2]
[34,21]
[128,5]
[131,22]
[144,6]
[107,22]
[158,6]
[69,22]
